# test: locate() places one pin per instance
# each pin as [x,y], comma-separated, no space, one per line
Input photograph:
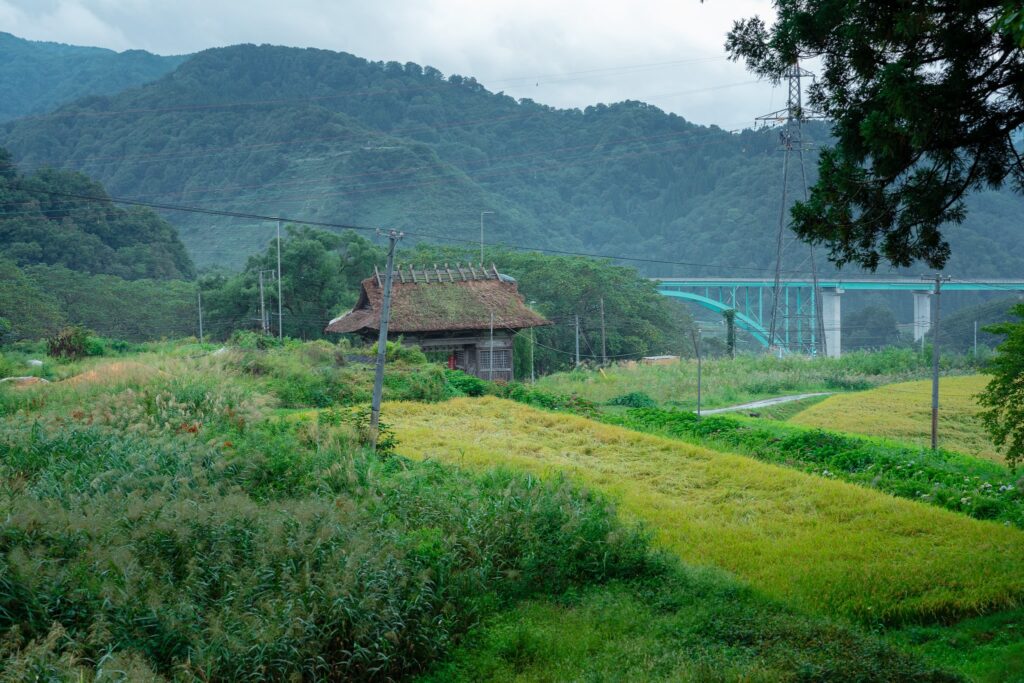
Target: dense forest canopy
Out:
[41,224]
[321,135]
[36,76]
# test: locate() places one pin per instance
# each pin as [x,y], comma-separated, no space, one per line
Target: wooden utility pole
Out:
[382,341]
[604,344]
[939,278]
[199,296]
[280,300]
[533,344]
[577,340]
[263,310]
[695,333]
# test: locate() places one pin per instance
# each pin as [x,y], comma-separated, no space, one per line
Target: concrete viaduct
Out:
[752,301]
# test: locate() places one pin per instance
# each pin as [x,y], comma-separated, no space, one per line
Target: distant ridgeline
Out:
[35,76]
[331,137]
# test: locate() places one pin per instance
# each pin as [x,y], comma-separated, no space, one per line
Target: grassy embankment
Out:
[825,546]
[749,378]
[903,412]
[162,523]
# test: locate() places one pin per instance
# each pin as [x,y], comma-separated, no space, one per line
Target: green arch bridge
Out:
[752,301]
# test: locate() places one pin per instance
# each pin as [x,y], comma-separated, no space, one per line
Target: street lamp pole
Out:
[482,235]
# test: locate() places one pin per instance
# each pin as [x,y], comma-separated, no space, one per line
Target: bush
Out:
[246,339]
[461,384]
[74,342]
[634,399]
[398,353]
[571,403]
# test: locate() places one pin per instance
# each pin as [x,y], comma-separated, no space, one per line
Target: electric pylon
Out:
[803,321]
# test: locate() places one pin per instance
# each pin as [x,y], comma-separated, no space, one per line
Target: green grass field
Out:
[903,412]
[748,378]
[824,546]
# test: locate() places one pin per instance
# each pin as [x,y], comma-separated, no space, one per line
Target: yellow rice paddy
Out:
[904,412]
[819,544]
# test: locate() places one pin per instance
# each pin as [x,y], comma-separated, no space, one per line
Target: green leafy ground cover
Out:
[161,522]
[988,649]
[688,625]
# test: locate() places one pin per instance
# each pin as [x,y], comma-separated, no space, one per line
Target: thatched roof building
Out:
[451,310]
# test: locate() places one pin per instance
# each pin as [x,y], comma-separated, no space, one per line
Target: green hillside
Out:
[324,135]
[41,224]
[36,77]
[64,260]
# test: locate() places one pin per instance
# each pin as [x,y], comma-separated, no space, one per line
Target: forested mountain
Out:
[328,136]
[36,77]
[41,225]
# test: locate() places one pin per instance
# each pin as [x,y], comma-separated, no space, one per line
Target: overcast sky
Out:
[567,53]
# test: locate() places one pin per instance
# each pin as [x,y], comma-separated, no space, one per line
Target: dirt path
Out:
[764,403]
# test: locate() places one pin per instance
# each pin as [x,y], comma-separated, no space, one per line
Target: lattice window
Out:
[502,360]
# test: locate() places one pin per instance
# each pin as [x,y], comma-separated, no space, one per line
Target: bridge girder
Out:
[746,322]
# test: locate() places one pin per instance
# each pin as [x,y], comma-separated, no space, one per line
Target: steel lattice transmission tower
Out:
[798,327]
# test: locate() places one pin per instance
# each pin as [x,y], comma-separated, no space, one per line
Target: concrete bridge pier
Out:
[922,314]
[831,320]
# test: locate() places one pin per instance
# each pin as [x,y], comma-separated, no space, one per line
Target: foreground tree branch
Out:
[926,98]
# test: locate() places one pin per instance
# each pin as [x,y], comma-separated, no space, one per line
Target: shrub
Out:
[73,342]
[634,399]
[265,555]
[397,352]
[461,384]
[521,393]
[246,339]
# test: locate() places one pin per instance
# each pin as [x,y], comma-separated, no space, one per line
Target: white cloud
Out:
[565,53]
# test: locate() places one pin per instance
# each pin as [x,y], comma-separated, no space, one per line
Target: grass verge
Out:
[679,625]
[749,378]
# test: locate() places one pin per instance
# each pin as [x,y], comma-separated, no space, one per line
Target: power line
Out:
[363,228]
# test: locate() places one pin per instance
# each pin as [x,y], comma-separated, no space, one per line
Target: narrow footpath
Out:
[764,403]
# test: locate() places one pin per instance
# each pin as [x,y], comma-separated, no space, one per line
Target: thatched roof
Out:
[440,300]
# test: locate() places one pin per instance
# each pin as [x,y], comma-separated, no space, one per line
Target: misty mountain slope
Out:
[36,77]
[328,136]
